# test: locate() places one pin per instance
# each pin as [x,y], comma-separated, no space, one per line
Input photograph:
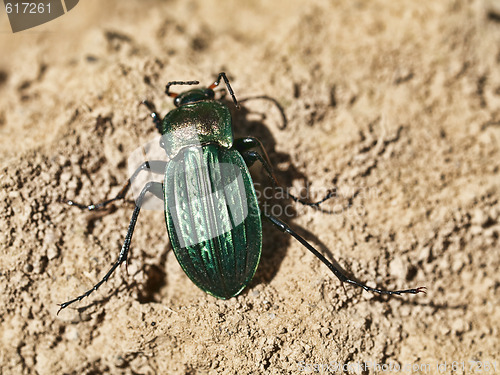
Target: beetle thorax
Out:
[197,124]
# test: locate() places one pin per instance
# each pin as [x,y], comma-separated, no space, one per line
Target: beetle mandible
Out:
[211,210]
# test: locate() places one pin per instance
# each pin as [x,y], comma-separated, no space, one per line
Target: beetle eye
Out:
[177,101]
[210,93]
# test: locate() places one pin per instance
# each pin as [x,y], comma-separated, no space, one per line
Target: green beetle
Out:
[210,203]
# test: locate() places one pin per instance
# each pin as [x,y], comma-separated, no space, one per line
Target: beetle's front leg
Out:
[155,166]
[153,187]
[154,113]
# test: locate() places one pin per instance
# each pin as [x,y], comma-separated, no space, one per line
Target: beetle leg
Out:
[252,156]
[247,143]
[154,114]
[282,226]
[155,166]
[275,102]
[157,189]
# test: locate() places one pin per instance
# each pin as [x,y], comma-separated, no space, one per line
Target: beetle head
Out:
[192,96]
[198,95]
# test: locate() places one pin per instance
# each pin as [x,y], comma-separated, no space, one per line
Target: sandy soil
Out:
[396,102]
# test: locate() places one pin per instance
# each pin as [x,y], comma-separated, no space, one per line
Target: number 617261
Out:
[27,8]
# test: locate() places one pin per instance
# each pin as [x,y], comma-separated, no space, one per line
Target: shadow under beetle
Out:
[211,210]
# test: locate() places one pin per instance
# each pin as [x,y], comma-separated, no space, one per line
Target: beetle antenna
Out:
[229,88]
[173,94]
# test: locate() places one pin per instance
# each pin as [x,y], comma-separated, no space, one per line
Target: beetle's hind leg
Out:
[153,187]
[155,166]
[282,226]
[244,145]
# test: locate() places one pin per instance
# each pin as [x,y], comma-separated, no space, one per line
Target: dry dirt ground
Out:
[394,102]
